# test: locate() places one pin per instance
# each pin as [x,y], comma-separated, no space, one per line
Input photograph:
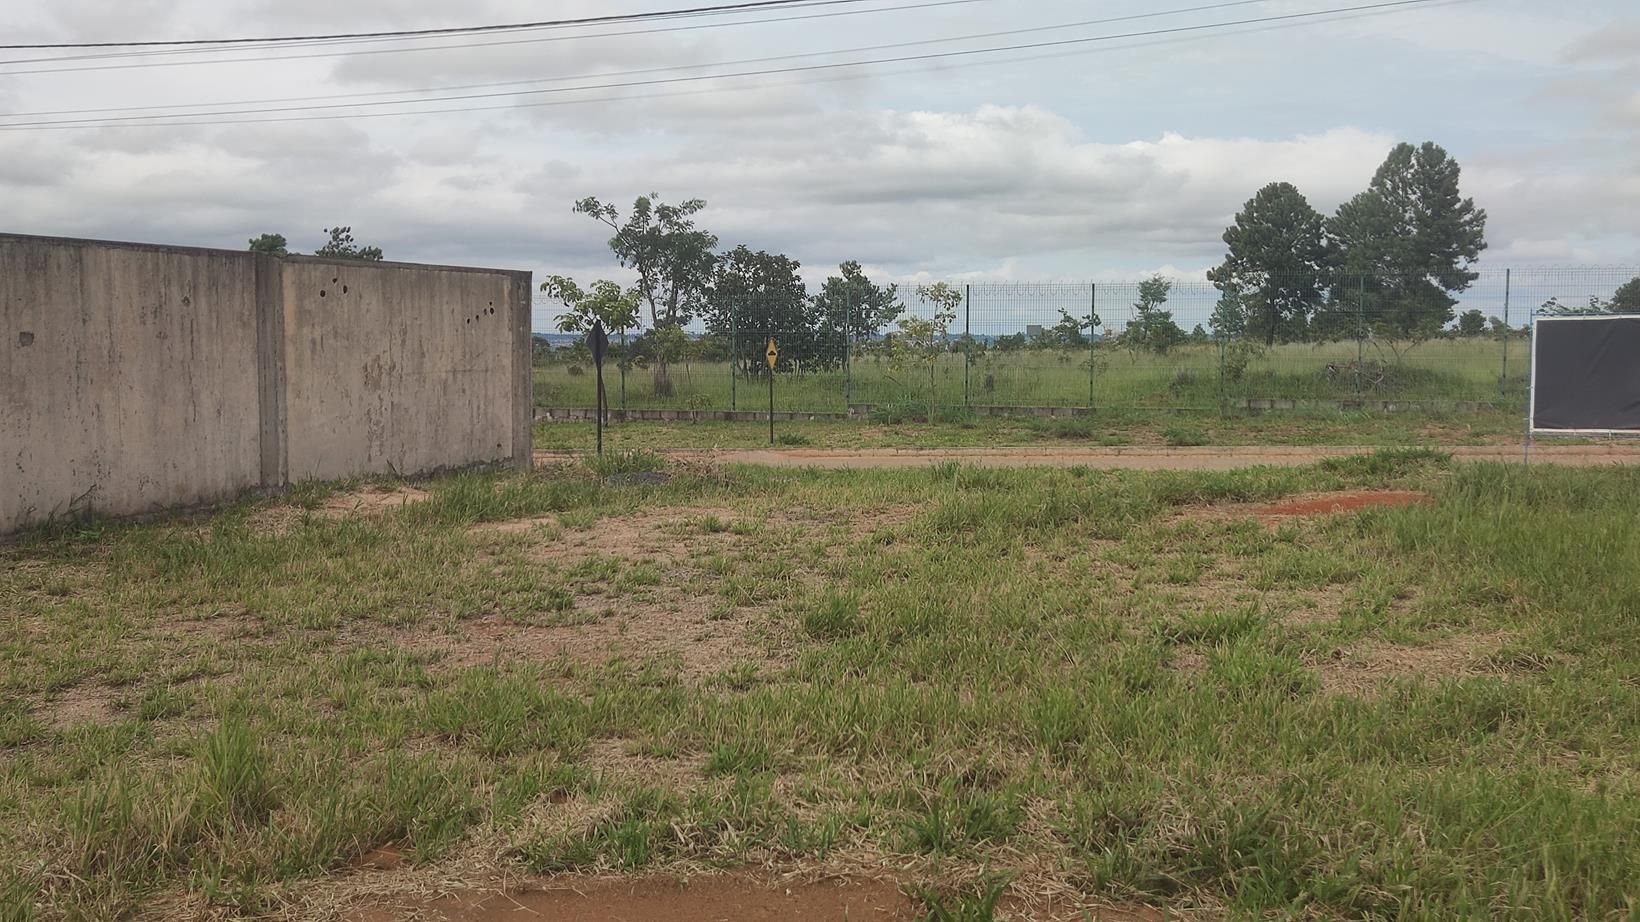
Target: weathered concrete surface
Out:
[398,368]
[135,378]
[128,378]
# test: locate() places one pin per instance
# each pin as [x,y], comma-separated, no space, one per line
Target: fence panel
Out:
[1160,344]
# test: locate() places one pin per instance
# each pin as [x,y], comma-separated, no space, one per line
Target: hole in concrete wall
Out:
[321,292]
[25,338]
[335,280]
[187,301]
[344,289]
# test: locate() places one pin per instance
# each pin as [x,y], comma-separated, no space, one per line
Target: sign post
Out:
[598,342]
[773,355]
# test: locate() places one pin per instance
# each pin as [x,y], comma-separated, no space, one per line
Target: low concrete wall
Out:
[135,378]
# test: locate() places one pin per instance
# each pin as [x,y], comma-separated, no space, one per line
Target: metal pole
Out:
[1093,343]
[623,374]
[1503,380]
[967,344]
[734,355]
[600,411]
[771,403]
[1360,328]
[848,349]
[1224,395]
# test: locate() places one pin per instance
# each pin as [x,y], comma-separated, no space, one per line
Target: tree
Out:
[605,301]
[1277,248]
[1199,337]
[924,339]
[1472,323]
[1068,332]
[853,303]
[1229,319]
[1627,298]
[673,259]
[1152,329]
[271,244]
[1404,246]
[757,296]
[341,245]
[1499,328]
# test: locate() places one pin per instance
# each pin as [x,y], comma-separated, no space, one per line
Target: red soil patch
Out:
[1335,503]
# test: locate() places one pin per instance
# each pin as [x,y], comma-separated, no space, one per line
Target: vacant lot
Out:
[1381,687]
[1193,376]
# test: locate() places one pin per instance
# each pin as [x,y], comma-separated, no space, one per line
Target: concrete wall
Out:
[135,378]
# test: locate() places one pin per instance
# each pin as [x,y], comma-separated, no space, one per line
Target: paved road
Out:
[1140,459]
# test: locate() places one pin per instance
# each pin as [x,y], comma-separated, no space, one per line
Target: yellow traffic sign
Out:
[773,354]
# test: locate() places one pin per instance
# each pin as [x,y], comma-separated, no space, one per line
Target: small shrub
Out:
[1184,380]
[576,371]
[635,461]
[893,414]
[1184,435]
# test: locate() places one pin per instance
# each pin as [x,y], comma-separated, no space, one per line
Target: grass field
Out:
[1442,370]
[1102,428]
[1132,689]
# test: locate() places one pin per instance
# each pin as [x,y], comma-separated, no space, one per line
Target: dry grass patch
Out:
[1365,670]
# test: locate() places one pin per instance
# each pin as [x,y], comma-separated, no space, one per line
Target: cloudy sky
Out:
[1100,160]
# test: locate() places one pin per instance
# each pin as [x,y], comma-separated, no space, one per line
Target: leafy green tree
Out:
[1499,328]
[1471,323]
[341,245]
[1277,249]
[850,301]
[1012,342]
[674,260]
[1404,246]
[1627,298]
[922,340]
[271,244]
[1229,319]
[758,295]
[1198,336]
[1152,328]
[605,301]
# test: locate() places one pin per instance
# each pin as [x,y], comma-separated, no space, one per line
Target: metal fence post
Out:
[623,374]
[967,345]
[1503,380]
[734,355]
[1224,395]
[1360,328]
[848,350]
[1093,341]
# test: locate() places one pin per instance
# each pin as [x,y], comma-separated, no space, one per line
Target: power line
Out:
[626,73]
[1196,29]
[453,30]
[421,48]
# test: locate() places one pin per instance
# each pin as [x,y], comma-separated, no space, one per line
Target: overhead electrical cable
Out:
[1195,29]
[631,73]
[718,9]
[413,49]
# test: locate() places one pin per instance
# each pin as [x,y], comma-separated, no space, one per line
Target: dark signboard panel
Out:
[1586,374]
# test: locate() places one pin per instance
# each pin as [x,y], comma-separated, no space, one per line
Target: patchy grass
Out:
[900,427]
[1067,679]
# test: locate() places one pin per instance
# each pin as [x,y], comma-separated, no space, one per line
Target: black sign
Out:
[598,342]
[1586,374]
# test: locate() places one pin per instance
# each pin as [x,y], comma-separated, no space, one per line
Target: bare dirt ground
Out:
[1137,459]
[727,898]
